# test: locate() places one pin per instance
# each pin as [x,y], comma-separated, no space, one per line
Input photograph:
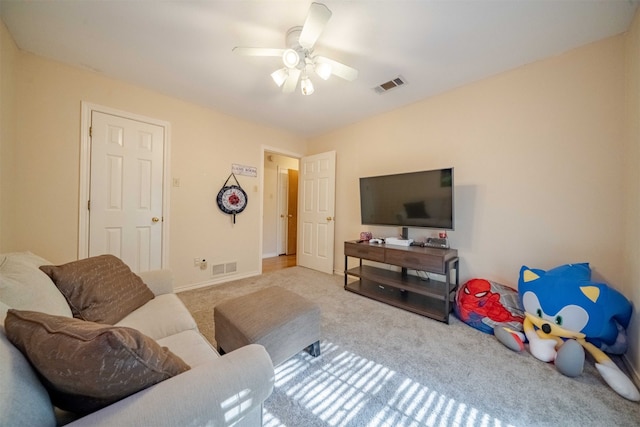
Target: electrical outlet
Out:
[200,262]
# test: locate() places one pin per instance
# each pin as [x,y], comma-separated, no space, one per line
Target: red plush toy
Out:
[483,304]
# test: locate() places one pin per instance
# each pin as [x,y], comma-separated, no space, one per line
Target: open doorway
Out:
[280,211]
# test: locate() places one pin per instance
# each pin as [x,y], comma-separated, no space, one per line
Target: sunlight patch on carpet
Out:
[341,388]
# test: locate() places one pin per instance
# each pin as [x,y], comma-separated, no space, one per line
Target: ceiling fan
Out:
[298,56]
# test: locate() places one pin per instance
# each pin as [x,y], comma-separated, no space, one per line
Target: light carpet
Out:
[383,366]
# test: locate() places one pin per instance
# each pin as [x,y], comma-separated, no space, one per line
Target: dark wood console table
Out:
[428,297]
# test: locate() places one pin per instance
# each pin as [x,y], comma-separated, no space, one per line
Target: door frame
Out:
[264,150]
[85,175]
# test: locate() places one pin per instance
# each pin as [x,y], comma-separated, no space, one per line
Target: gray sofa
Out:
[215,391]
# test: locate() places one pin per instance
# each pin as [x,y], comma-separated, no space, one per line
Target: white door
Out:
[281,231]
[316,211]
[125,201]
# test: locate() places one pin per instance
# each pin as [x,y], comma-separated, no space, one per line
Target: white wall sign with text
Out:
[244,170]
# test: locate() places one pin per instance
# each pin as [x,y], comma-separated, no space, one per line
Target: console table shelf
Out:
[431,288]
[431,298]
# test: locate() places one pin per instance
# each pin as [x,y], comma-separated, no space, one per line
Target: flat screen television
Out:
[414,199]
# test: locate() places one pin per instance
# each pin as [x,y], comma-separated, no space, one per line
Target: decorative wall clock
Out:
[232,199]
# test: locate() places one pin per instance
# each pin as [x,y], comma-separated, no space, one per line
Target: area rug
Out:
[383,366]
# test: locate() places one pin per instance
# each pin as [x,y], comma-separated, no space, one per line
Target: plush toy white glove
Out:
[541,349]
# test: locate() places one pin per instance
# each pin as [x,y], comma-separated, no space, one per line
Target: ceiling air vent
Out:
[391,84]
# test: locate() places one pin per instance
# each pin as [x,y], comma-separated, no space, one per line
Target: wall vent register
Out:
[391,84]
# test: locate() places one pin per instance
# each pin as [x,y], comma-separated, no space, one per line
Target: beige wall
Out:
[8,52]
[538,155]
[631,229]
[43,214]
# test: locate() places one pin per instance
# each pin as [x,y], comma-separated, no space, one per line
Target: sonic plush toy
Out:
[565,314]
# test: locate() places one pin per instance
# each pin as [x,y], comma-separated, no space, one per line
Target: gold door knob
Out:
[329,218]
[155,219]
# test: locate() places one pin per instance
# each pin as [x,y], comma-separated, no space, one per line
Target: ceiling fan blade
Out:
[257,51]
[317,18]
[339,69]
[292,81]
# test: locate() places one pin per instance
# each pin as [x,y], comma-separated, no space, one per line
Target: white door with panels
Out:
[126,190]
[281,230]
[316,211]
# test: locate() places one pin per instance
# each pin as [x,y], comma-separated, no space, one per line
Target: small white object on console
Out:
[398,241]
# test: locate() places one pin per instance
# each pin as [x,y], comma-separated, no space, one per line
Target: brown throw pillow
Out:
[100,289]
[84,365]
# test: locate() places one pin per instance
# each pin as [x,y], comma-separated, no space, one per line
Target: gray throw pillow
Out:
[100,289]
[85,365]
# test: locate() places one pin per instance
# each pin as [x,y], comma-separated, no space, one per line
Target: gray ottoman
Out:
[282,321]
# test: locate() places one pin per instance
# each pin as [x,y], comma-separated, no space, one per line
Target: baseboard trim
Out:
[219,281]
[635,377]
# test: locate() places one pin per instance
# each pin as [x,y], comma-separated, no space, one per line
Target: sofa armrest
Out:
[159,281]
[217,393]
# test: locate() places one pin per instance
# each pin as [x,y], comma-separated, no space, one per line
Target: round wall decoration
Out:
[232,199]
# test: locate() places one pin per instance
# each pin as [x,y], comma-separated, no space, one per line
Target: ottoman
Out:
[282,321]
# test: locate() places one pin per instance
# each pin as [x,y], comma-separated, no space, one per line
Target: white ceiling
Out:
[183,48]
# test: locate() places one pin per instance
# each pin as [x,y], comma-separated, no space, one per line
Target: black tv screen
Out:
[415,199]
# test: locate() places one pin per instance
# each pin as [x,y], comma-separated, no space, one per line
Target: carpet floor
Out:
[383,366]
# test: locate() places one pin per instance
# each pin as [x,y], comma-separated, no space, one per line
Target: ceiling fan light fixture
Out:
[298,57]
[323,70]
[306,86]
[290,58]
[280,76]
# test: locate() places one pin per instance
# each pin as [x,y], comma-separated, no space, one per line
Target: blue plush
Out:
[566,314]
[567,294]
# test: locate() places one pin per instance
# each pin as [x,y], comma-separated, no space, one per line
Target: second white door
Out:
[316,210]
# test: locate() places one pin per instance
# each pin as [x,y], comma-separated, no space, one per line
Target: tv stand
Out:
[431,298]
